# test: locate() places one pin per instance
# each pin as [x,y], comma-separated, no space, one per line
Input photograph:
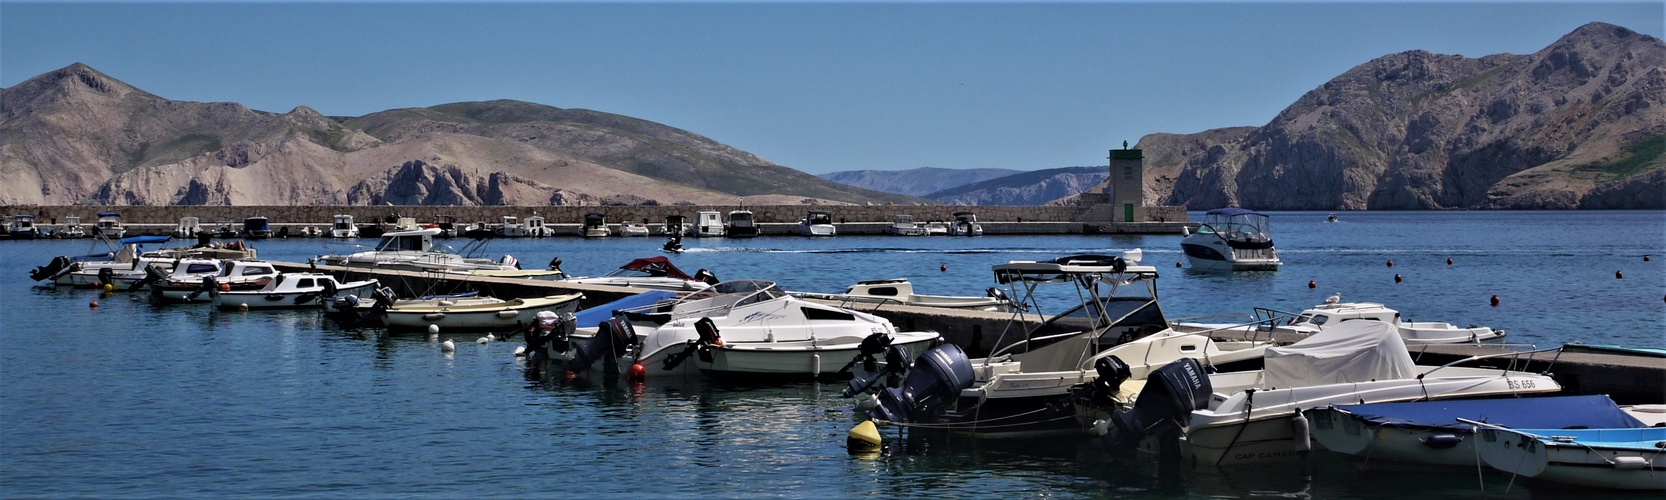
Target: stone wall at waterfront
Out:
[209,215]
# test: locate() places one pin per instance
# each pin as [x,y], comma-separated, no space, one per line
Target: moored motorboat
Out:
[901,291]
[536,228]
[708,224]
[1232,239]
[742,224]
[936,228]
[188,227]
[903,225]
[342,227]
[182,285]
[817,223]
[675,225]
[256,228]
[1333,313]
[652,272]
[23,227]
[290,290]
[1627,459]
[1427,432]
[965,224]
[595,225]
[471,316]
[109,224]
[511,227]
[633,229]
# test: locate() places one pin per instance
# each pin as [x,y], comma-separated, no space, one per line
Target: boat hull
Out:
[1638,465]
[286,300]
[491,317]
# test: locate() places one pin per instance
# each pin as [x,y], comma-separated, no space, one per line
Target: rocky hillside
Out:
[84,137]
[917,181]
[1025,188]
[1580,124]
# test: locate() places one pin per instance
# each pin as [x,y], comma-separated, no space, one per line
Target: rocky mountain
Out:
[84,137]
[917,181]
[1579,124]
[1025,188]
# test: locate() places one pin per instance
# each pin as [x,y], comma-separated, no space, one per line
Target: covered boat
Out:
[741,224]
[1428,432]
[256,228]
[708,224]
[595,225]
[1625,459]
[109,224]
[1330,314]
[903,225]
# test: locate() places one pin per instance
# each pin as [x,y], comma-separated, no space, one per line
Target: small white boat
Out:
[1232,239]
[511,227]
[633,229]
[1626,459]
[652,272]
[494,316]
[708,224]
[23,227]
[415,250]
[256,228]
[901,291]
[903,225]
[742,224]
[595,225]
[290,290]
[72,228]
[1428,432]
[817,223]
[109,224]
[343,227]
[182,285]
[965,224]
[535,227]
[936,228]
[675,225]
[1330,314]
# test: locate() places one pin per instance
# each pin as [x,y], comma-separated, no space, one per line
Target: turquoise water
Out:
[132,400]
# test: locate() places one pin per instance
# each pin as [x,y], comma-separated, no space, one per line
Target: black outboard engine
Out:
[706,276]
[555,264]
[613,338]
[106,276]
[897,362]
[51,269]
[872,345]
[938,377]
[1171,394]
[540,344]
[205,239]
[208,283]
[153,274]
[1101,392]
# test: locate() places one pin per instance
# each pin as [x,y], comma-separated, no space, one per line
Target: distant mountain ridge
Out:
[84,137]
[916,181]
[1025,188]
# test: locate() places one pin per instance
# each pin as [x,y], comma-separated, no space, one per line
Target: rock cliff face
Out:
[1576,125]
[78,136]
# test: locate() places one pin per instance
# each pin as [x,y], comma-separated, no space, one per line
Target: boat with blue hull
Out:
[1428,432]
[1624,459]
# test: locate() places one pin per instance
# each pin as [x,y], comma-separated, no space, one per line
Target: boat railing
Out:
[1424,348]
[1515,357]
[1255,328]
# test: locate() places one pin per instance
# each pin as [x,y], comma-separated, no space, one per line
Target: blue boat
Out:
[1429,431]
[256,228]
[1624,459]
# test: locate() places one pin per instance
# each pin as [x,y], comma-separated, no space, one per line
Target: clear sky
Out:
[819,87]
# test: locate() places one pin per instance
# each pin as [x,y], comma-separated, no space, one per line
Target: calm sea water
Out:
[132,400]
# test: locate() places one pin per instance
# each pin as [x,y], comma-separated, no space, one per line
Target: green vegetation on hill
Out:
[1643,154]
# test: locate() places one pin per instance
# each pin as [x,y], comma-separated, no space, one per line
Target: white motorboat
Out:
[188,227]
[109,224]
[817,223]
[182,285]
[965,224]
[742,224]
[1625,459]
[652,272]
[1314,320]
[23,227]
[1036,368]
[675,225]
[903,225]
[343,227]
[708,224]
[448,225]
[1428,432]
[936,228]
[477,316]
[633,229]
[72,228]
[290,290]
[595,225]
[511,227]
[1256,416]
[256,228]
[1232,239]
[535,227]
[415,250]
[747,330]
[901,291]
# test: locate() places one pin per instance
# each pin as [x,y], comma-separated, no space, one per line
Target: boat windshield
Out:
[1236,222]
[407,242]
[752,290]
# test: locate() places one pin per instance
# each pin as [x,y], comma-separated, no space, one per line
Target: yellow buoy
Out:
[864,438]
[243,306]
[109,287]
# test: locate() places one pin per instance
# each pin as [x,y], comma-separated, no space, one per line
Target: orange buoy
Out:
[225,287]
[93,305]
[1645,257]
[943,268]
[1391,263]
[1495,301]
[1312,285]
[638,372]
[1448,261]
[1177,265]
[1397,278]
[571,375]
[1619,275]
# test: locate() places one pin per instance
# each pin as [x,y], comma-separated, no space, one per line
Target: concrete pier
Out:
[1627,379]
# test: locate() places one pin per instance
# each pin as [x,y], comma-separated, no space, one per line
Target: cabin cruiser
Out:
[109,225]
[901,291]
[1333,313]
[817,223]
[511,227]
[652,272]
[965,224]
[746,330]
[535,227]
[23,227]
[936,228]
[290,290]
[1039,362]
[903,225]
[185,285]
[1232,239]
[1256,416]
[415,250]
[742,224]
[343,227]
[72,228]
[256,228]
[675,225]
[595,225]
[708,224]
[633,229]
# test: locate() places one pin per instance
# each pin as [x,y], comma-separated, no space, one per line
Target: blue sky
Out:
[815,86]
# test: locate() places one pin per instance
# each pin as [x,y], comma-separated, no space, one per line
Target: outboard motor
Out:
[208,283]
[1171,394]
[205,239]
[1101,392]
[613,338]
[872,345]
[51,269]
[706,276]
[896,363]
[937,377]
[152,274]
[541,344]
[555,264]
[106,276]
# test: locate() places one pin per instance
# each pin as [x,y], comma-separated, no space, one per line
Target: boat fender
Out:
[447,303]
[433,316]
[508,314]
[1630,463]
[1301,435]
[274,297]
[815,365]
[1441,441]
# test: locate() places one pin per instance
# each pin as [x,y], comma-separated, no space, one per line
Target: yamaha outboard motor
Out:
[938,377]
[613,338]
[1101,392]
[706,276]
[208,283]
[897,362]
[51,269]
[1171,394]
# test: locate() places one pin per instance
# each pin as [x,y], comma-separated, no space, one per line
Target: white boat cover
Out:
[1354,351]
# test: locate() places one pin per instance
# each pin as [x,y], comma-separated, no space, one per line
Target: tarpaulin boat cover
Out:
[1595,412]
[134,240]
[1353,351]
[593,317]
